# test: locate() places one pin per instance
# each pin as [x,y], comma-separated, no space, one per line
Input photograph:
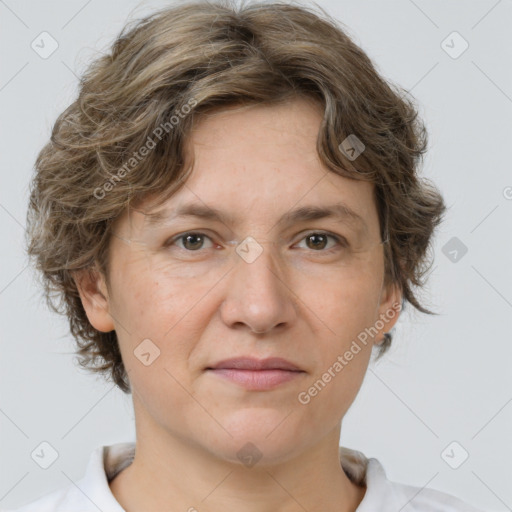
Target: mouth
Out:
[255,374]
[256,380]
[251,363]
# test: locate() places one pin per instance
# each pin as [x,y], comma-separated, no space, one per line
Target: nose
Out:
[258,295]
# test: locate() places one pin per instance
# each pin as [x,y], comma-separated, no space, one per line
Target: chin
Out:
[262,436]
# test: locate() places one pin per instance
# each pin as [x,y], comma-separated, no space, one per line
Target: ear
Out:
[389,309]
[95,300]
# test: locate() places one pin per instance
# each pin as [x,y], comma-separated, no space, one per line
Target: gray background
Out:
[447,378]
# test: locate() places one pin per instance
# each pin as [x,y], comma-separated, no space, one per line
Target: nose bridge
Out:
[257,294]
[257,262]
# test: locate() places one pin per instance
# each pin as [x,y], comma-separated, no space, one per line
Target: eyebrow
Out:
[339,211]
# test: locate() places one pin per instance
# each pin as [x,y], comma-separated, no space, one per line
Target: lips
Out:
[250,363]
[256,374]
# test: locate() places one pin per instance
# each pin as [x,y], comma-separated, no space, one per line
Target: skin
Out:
[256,163]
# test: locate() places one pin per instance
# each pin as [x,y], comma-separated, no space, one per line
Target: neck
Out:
[170,471]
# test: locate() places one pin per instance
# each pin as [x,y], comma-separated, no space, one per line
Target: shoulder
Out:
[91,493]
[409,498]
[51,502]
[388,496]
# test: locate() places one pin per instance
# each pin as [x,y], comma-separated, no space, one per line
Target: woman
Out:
[232,213]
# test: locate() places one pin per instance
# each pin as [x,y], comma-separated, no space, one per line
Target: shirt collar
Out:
[107,461]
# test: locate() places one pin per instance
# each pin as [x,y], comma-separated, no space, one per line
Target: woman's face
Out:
[299,289]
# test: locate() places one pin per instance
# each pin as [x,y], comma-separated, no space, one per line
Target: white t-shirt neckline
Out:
[92,492]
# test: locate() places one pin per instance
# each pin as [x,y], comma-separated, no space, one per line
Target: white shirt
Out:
[92,492]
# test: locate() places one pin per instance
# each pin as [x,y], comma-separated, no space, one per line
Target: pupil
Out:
[316,237]
[188,237]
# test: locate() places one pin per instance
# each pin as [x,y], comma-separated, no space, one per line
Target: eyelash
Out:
[339,239]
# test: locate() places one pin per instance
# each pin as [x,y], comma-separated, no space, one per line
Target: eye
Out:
[192,241]
[317,241]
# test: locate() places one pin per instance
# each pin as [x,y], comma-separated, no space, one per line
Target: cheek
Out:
[148,302]
[165,311]
[328,395]
[332,389]
[158,326]
[343,311]
[343,303]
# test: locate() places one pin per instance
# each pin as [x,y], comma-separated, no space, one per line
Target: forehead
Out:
[261,162]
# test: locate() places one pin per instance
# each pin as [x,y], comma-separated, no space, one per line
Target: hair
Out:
[159,76]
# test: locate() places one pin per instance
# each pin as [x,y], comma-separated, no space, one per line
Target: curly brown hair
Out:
[183,61]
